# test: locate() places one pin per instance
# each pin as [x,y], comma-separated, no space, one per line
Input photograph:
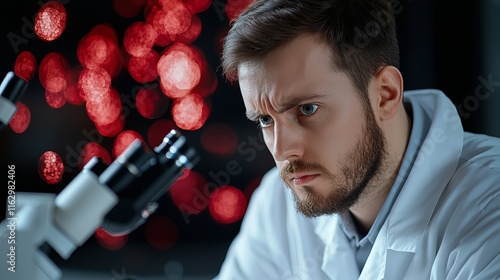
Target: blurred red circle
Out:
[190,112]
[50,167]
[219,139]
[227,204]
[123,140]
[158,130]
[53,72]
[235,7]
[150,103]
[50,21]
[93,149]
[108,241]
[179,70]
[143,69]
[111,129]
[25,65]
[55,99]
[21,119]
[161,232]
[190,192]
[139,38]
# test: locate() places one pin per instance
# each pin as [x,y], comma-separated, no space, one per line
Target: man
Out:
[370,182]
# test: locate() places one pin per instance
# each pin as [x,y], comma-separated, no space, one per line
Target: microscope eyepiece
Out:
[11,89]
[140,177]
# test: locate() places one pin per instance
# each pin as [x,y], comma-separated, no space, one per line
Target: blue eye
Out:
[308,109]
[265,121]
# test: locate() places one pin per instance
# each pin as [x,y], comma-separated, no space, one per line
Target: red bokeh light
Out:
[197,6]
[94,84]
[139,38]
[55,99]
[208,80]
[123,140]
[220,139]
[127,8]
[227,204]
[150,103]
[158,130]
[143,69]
[104,110]
[155,15]
[50,21]
[21,119]
[235,7]
[179,70]
[190,112]
[93,149]
[108,241]
[53,72]
[25,65]
[190,193]
[191,34]
[99,49]
[173,17]
[92,51]
[72,93]
[161,232]
[50,167]
[112,129]
[106,30]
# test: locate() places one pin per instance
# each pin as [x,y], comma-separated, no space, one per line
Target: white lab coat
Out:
[445,223]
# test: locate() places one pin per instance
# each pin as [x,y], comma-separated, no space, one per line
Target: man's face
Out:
[326,143]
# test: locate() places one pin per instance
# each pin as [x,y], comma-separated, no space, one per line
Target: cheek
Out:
[336,139]
[268,137]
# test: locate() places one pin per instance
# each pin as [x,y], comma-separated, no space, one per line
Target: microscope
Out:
[118,198]
[11,90]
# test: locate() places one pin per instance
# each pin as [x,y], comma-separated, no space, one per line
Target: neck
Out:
[366,210]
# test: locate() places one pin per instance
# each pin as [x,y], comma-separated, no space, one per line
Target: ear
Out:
[387,87]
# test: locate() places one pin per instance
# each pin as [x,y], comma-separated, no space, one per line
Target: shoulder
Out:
[473,193]
[481,151]
[270,198]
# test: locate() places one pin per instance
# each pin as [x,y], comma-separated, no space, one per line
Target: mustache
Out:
[291,167]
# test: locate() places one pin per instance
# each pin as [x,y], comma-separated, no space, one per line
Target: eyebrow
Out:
[253,116]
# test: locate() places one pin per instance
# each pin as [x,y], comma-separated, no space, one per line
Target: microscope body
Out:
[119,198]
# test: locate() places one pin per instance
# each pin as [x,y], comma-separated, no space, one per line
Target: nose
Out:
[287,143]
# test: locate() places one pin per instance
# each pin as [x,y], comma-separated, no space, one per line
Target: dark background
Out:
[443,44]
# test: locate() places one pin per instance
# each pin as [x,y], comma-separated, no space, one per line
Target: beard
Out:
[360,167]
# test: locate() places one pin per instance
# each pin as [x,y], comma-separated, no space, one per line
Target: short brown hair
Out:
[361,34]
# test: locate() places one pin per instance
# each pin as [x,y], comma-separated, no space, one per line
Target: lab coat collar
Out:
[401,233]
[339,261]
[433,168]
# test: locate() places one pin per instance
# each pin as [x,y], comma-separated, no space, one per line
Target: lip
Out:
[303,178]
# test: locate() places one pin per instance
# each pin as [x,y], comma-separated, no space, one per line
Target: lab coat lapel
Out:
[433,168]
[385,263]
[397,241]
[339,261]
